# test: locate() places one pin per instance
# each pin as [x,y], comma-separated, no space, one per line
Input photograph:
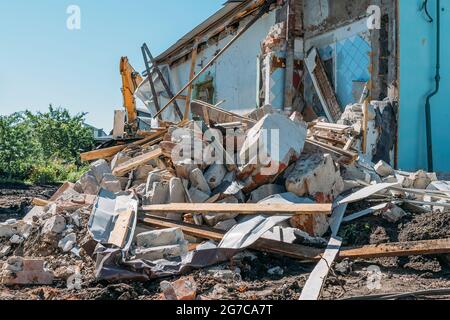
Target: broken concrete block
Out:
[405,182]
[142,172]
[6,230]
[153,177]
[55,224]
[16,239]
[350,185]
[215,174]
[182,289]
[21,271]
[315,175]
[393,213]
[159,238]
[390,179]
[118,159]
[265,191]
[266,153]
[276,271]
[160,193]
[4,251]
[67,243]
[111,183]
[89,184]
[176,189]
[198,181]
[35,212]
[384,169]
[226,225]
[13,227]
[99,168]
[184,168]
[420,179]
[197,196]
[213,219]
[163,252]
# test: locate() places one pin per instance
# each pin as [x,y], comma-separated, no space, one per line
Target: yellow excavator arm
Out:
[130,82]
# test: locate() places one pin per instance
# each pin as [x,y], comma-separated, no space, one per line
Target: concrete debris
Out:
[182,289]
[383,169]
[315,175]
[161,244]
[310,166]
[420,179]
[55,224]
[275,153]
[160,238]
[198,181]
[276,271]
[215,175]
[393,213]
[22,271]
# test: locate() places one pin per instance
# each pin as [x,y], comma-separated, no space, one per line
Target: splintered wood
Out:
[137,162]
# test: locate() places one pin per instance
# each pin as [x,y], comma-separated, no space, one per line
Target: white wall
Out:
[235,72]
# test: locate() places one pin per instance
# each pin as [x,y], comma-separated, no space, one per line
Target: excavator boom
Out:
[130,82]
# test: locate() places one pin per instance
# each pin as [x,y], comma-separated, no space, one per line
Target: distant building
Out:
[98,134]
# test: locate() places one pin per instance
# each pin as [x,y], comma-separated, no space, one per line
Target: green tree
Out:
[18,149]
[61,135]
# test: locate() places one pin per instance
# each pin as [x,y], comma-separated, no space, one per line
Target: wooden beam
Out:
[241,208]
[121,228]
[187,109]
[40,202]
[102,153]
[400,249]
[136,162]
[112,151]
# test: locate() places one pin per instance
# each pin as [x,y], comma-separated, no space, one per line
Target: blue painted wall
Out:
[417,69]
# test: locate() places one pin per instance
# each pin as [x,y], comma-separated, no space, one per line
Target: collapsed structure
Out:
[203,186]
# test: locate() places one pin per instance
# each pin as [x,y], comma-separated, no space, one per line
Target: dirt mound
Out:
[16,198]
[427,226]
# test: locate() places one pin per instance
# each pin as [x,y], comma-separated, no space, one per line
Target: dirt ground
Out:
[249,276]
[15,199]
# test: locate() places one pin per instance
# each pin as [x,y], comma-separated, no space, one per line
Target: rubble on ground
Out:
[99,229]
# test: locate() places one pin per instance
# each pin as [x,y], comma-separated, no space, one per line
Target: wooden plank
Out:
[241,208]
[112,151]
[40,202]
[323,86]
[136,162]
[102,153]
[400,249]
[121,228]
[187,110]
[266,245]
[351,155]
[314,284]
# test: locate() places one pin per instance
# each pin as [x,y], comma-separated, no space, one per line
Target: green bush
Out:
[44,147]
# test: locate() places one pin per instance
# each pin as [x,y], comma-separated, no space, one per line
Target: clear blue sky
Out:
[43,62]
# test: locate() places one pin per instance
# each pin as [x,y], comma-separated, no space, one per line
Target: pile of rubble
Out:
[195,194]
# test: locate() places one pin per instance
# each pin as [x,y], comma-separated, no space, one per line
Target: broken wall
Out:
[352,54]
[234,77]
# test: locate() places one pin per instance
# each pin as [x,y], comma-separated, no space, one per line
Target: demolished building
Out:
[286,142]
